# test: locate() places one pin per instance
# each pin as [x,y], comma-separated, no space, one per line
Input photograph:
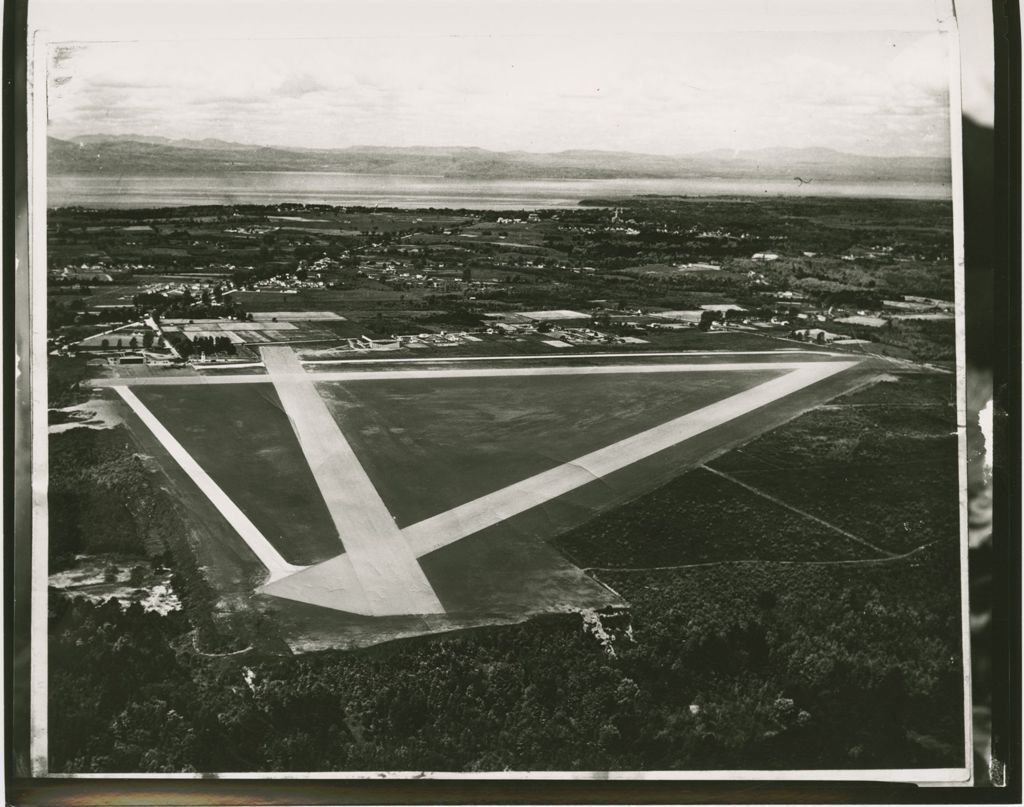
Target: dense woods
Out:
[730,666]
[101,500]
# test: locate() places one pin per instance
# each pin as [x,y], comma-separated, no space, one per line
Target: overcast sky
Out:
[866,92]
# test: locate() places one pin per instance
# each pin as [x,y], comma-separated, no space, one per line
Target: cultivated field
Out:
[871,474]
[703,518]
[881,463]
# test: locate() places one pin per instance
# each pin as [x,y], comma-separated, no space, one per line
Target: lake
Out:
[267,187]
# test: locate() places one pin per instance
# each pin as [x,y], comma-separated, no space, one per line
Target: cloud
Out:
[870,91]
[299,84]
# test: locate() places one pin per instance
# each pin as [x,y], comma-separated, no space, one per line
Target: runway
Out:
[376,571]
[276,565]
[389,577]
[303,377]
[459,522]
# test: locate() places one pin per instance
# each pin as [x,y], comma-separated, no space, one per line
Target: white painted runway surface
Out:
[451,372]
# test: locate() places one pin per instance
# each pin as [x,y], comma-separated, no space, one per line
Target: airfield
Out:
[358,501]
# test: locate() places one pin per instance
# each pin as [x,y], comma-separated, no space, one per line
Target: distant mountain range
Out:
[132,155]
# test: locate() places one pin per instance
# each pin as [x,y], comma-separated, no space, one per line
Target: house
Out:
[764,257]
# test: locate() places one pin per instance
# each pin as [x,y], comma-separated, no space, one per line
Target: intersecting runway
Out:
[376,571]
[390,578]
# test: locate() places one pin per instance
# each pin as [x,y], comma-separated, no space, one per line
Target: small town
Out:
[339,281]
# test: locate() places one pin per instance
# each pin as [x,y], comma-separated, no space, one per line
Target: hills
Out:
[149,155]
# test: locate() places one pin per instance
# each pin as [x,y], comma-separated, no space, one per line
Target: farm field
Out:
[886,448]
[702,518]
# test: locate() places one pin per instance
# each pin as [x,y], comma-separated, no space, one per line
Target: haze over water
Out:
[268,188]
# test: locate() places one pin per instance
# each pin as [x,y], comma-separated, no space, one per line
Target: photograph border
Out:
[37,380]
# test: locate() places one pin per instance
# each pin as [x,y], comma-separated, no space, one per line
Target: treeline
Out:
[207,345]
[99,497]
[104,499]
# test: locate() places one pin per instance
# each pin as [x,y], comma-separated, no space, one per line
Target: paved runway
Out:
[282,379]
[387,571]
[376,571]
[459,522]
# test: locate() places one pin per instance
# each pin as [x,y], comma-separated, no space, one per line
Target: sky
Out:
[540,89]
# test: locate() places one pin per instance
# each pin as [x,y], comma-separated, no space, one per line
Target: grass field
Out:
[431,445]
[242,439]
